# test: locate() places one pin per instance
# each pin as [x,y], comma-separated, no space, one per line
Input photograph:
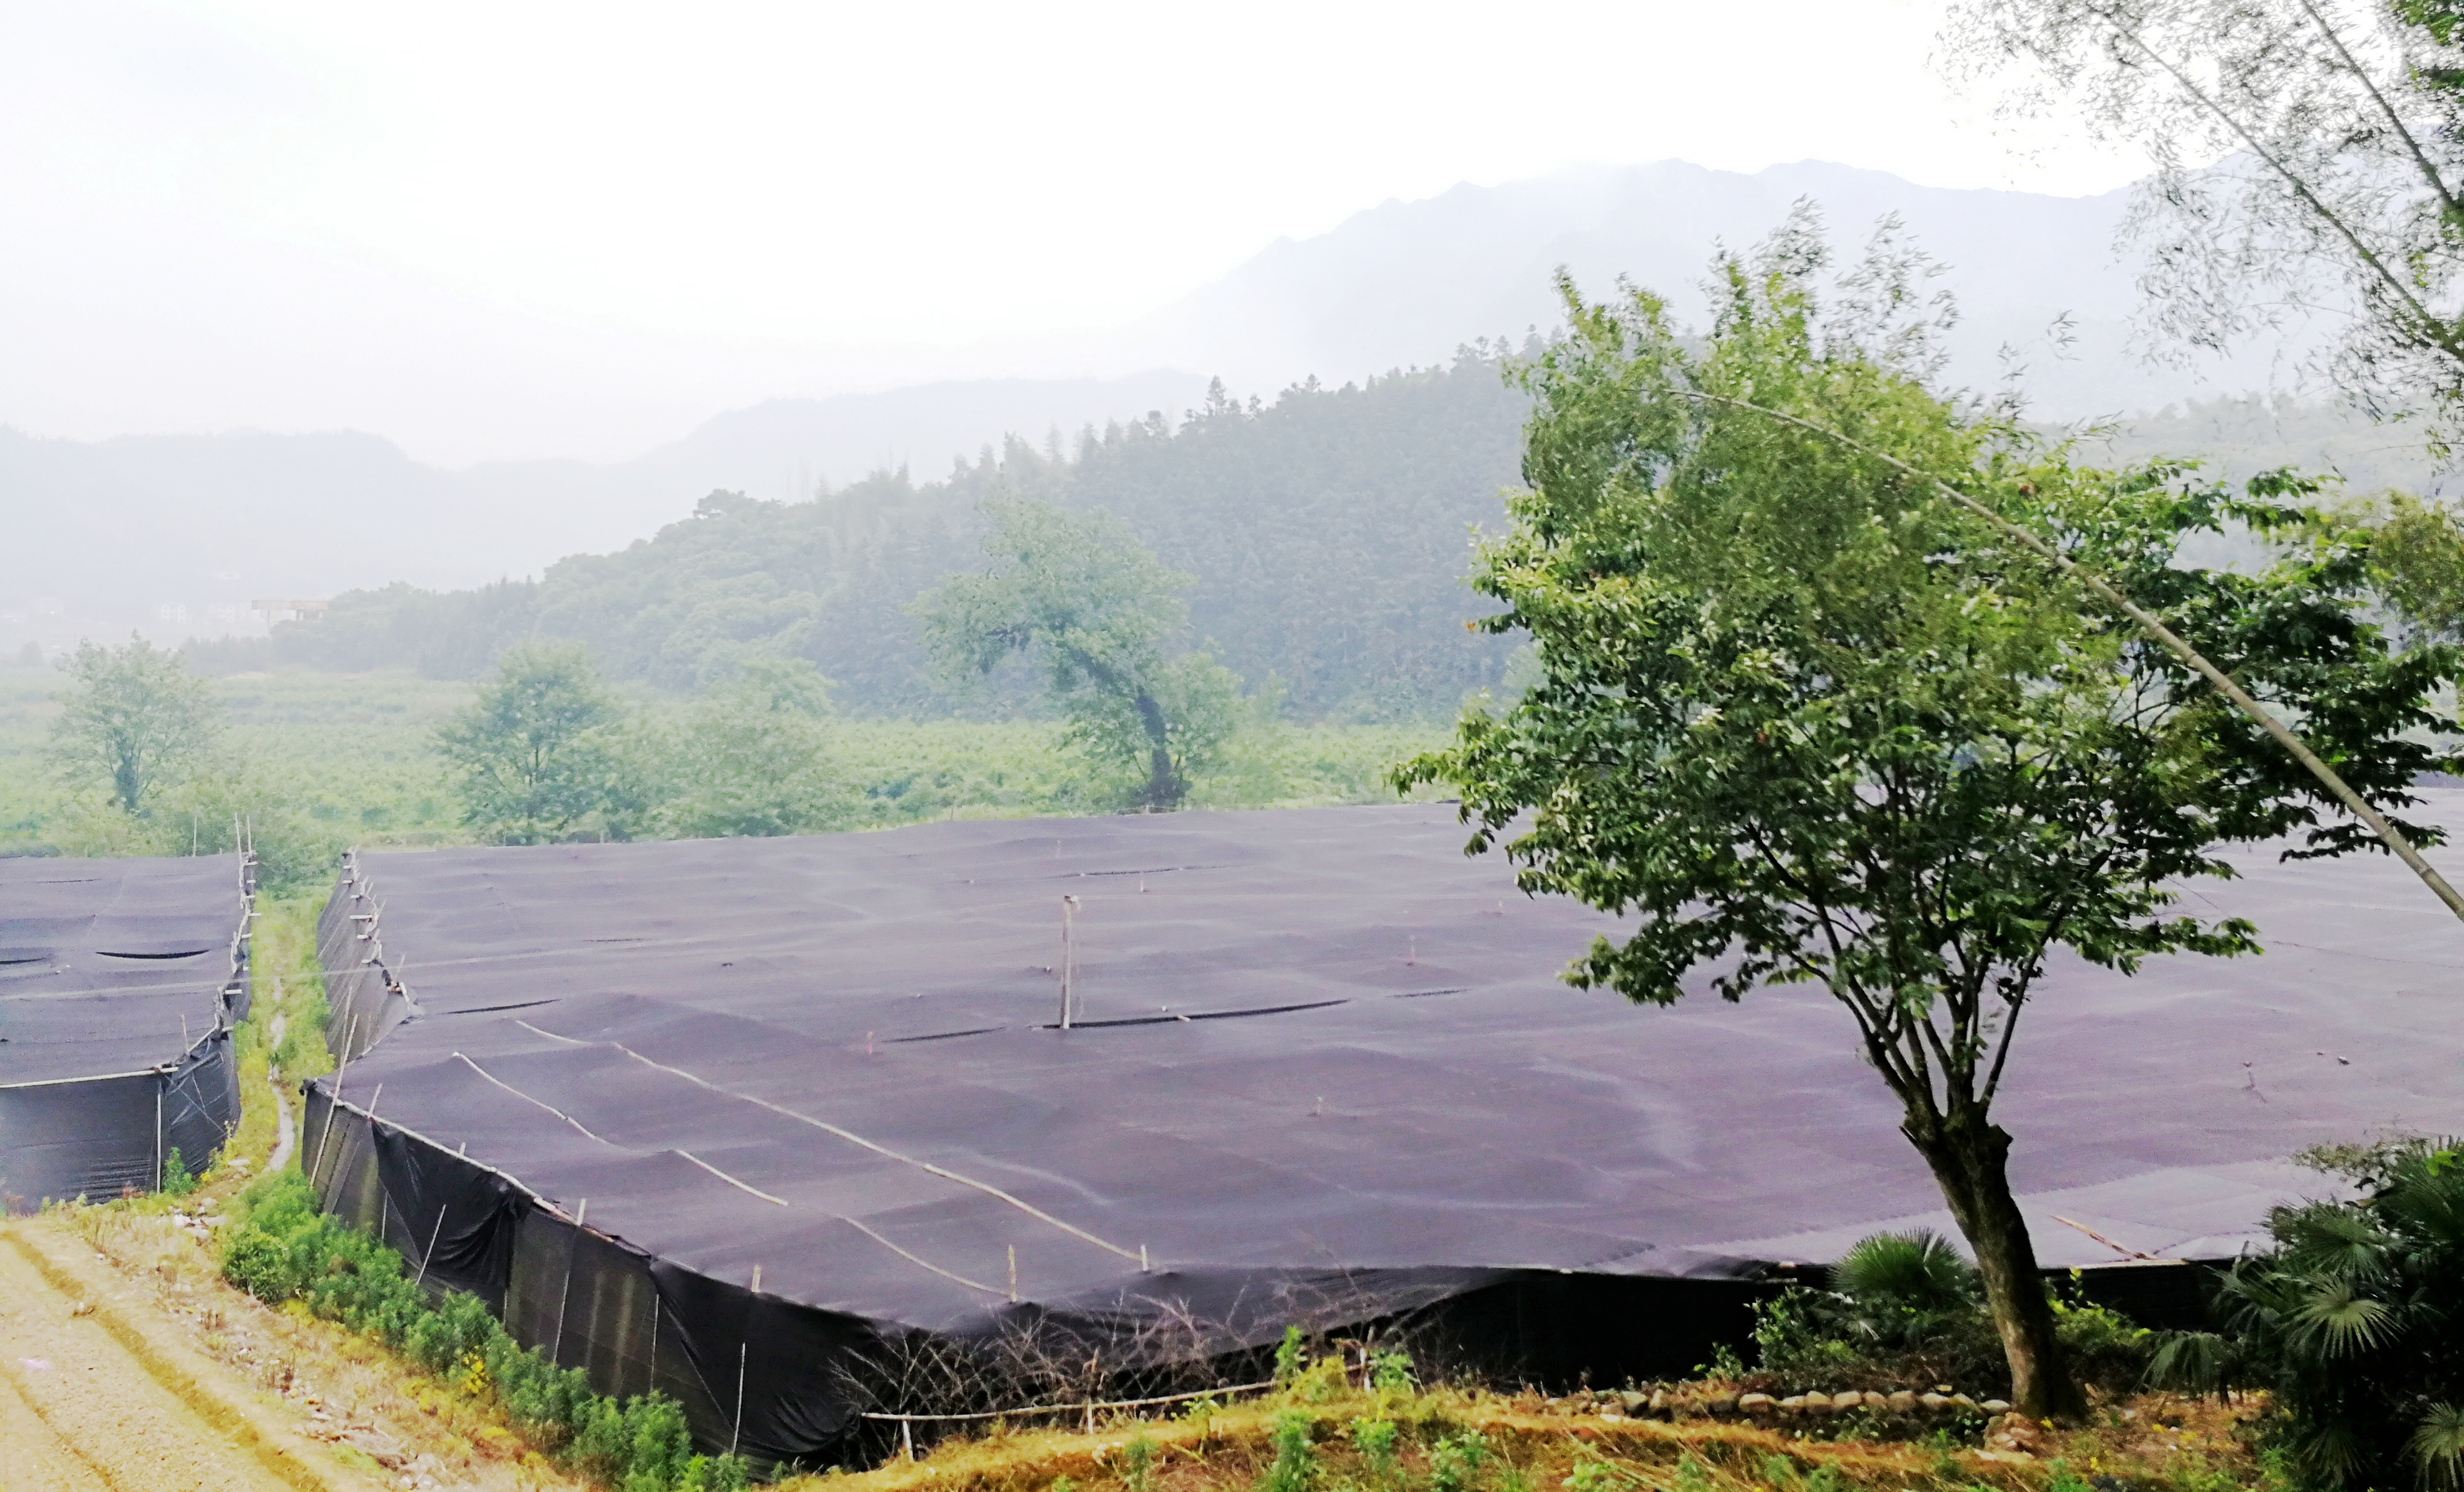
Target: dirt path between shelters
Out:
[100,1392]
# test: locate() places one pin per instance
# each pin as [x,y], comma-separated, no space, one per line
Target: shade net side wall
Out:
[109,1136]
[120,980]
[752,1374]
[788,1385]
[364,999]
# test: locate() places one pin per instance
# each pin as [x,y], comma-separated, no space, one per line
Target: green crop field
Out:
[319,761]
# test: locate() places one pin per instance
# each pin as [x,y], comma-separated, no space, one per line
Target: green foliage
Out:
[1093,610]
[135,720]
[2350,1325]
[1391,1371]
[1455,1461]
[532,753]
[1378,1443]
[1804,720]
[1904,1307]
[280,1248]
[752,757]
[2417,553]
[314,763]
[1917,1276]
[1784,1475]
[1590,1474]
[1292,1355]
[1724,1364]
[1295,1466]
[176,1180]
[1137,1462]
[1325,529]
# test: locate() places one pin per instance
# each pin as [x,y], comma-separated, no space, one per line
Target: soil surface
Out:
[100,1393]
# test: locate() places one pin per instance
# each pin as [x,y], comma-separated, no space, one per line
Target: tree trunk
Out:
[1163,784]
[1970,1160]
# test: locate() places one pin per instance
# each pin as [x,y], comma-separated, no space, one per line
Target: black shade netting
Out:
[1321,1070]
[120,980]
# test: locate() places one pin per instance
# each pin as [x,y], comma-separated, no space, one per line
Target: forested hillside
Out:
[1327,534]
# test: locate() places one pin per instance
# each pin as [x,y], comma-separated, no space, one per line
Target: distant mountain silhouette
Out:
[171,533]
[177,533]
[1406,282]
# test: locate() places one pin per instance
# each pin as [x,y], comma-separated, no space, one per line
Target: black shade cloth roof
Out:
[112,966]
[1317,1042]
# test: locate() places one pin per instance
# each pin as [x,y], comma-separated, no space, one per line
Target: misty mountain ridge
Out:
[177,533]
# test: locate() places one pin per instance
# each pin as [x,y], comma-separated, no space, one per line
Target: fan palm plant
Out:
[2354,1324]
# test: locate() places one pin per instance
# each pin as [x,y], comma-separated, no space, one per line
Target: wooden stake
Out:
[433,1235]
[739,1434]
[1013,1274]
[1068,955]
[557,1344]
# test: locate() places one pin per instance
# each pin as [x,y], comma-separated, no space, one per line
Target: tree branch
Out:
[2234,692]
[2395,122]
[2433,327]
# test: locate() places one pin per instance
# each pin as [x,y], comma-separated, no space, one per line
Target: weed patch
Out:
[282,1249]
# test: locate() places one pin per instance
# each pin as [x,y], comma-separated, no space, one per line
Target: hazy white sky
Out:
[194,187]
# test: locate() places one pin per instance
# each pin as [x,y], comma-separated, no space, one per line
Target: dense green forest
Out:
[1327,532]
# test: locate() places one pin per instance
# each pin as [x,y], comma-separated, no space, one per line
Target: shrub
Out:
[1294,1468]
[176,1180]
[1907,1307]
[2350,1325]
[1454,1463]
[280,1248]
[1376,1441]
[1292,1355]
[1137,1463]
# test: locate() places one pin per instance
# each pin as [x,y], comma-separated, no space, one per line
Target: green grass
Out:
[320,761]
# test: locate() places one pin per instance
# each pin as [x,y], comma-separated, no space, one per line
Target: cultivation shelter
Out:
[775,1126]
[120,982]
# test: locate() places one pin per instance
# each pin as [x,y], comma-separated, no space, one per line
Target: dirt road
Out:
[101,1392]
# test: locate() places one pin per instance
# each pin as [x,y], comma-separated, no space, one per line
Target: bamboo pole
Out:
[2234,693]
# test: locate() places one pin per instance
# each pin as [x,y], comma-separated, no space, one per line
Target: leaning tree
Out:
[1094,612]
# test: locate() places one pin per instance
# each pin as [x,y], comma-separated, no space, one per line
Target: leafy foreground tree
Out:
[1807,720]
[135,721]
[2350,1325]
[532,753]
[1093,608]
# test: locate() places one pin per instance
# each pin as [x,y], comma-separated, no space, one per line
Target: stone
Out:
[1721,1404]
[1818,1400]
[1793,1402]
[2018,1433]
[1659,1400]
[1933,1401]
[1963,1401]
[1994,1406]
[1754,1403]
[1901,1401]
[1633,1400]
